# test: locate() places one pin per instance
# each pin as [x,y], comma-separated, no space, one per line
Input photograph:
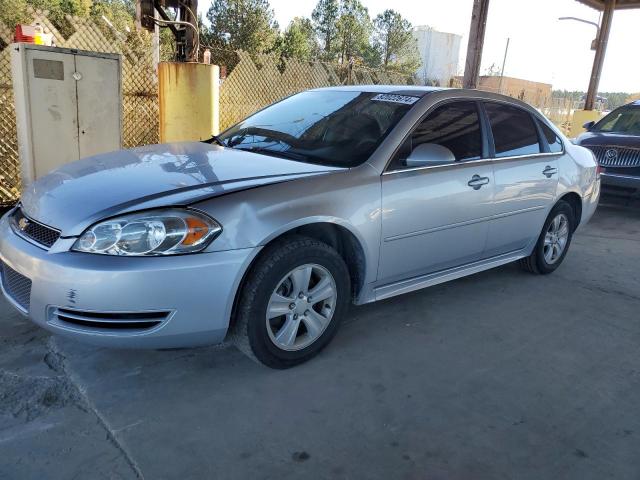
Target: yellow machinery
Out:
[189,101]
[580,117]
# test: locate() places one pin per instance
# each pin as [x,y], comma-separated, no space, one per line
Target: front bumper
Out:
[194,292]
[630,182]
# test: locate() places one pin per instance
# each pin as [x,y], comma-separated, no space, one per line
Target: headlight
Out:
[156,232]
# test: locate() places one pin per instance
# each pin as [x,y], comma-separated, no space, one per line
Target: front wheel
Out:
[554,240]
[292,302]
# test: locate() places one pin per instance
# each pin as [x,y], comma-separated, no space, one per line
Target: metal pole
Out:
[601,48]
[504,61]
[155,44]
[187,14]
[476,43]
[588,22]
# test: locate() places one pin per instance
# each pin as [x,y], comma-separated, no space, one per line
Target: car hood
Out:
[80,193]
[608,139]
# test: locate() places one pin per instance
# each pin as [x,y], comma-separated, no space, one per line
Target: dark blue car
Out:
[615,141]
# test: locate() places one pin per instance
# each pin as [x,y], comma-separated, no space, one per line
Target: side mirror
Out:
[589,125]
[430,154]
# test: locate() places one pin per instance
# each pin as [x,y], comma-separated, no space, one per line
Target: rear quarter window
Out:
[555,144]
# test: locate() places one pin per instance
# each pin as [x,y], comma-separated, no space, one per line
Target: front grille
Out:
[39,233]
[616,156]
[16,286]
[109,320]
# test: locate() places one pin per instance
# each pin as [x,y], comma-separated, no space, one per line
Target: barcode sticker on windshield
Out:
[390,97]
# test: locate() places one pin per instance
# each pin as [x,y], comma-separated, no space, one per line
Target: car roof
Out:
[416,90]
[421,91]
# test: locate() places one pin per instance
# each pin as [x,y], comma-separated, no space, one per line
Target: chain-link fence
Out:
[139,81]
[560,109]
[258,81]
[9,167]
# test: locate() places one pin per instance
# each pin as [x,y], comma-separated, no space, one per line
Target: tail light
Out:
[599,170]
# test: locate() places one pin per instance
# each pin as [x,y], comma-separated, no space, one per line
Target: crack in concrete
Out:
[609,237]
[57,358]
[600,289]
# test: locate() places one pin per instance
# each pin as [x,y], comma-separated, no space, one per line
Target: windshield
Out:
[623,120]
[336,128]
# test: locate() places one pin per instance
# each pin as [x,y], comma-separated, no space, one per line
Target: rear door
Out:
[435,216]
[526,177]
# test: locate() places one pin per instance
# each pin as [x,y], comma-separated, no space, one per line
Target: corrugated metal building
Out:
[535,93]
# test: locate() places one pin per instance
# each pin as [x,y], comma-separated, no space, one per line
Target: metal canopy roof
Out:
[620,4]
[479,15]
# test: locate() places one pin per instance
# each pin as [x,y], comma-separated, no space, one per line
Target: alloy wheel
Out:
[301,307]
[556,238]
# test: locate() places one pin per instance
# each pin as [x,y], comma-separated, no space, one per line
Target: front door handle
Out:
[477,182]
[549,170]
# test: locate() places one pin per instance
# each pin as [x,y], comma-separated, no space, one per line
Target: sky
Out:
[541,47]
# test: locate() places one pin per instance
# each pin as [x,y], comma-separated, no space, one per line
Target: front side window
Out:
[622,120]
[514,132]
[449,134]
[337,128]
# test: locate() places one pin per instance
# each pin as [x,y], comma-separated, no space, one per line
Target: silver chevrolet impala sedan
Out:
[266,233]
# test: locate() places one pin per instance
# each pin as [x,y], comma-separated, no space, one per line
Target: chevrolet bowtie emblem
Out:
[23,223]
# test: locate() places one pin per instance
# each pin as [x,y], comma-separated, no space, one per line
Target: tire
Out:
[277,342]
[539,261]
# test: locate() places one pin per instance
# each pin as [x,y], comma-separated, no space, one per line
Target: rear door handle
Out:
[477,182]
[548,171]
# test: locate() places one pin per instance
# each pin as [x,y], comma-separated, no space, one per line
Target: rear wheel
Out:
[554,241]
[292,302]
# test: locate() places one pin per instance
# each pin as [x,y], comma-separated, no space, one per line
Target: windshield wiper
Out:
[276,153]
[214,139]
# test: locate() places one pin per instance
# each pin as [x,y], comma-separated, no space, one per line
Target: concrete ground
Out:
[502,375]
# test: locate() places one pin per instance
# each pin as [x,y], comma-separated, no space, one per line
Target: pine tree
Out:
[394,40]
[247,25]
[325,17]
[299,41]
[354,27]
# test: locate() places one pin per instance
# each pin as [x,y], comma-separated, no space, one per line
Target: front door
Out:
[437,196]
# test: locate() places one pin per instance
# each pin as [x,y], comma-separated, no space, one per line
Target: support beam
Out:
[601,48]
[476,43]
[188,14]
[163,15]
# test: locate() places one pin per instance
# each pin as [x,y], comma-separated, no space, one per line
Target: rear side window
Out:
[514,132]
[456,127]
[555,144]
